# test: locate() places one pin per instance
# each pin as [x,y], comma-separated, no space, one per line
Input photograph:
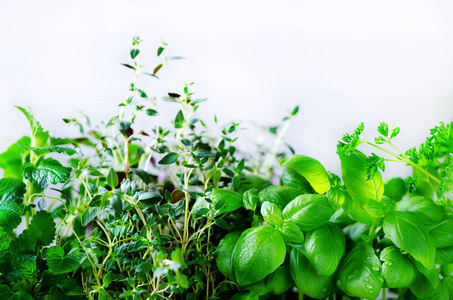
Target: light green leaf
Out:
[307,280]
[225,254]
[442,233]
[356,210]
[258,252]
[311,169]
[230,199]
[426,211]
[50,149]
[11,159]
[408,234]
[395,189]
[112,178]
[250,199]
[324,247]
[271,213]
[336,197]
[47,171]
[359,274]
[308,211]
[444,256]
[397,269]
[280,281]
[290,232]
[42,228]
[59,263]
[354,177]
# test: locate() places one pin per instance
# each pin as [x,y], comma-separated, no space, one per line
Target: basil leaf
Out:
[293,179]
[395,189]
[422,288]
[356,230]
[431,274]
[442,233]
[336,197]
[359,274]
[426,211]
[308,211]
[232,200]
[397,269]
[291,232]
[324,247]
[225,253]
[271,213]
[280,281]
[444,256]
[259,252]
[354,178]
[279,195]
[252,182]
[355,210]
[250,199]
[311,169]
[408,234]
[307,280]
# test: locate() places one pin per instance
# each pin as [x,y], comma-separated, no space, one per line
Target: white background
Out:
[343,62]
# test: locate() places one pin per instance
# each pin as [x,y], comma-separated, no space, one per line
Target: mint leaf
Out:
[11,159]
[42,228]
[12,189]
[26,266]
[50,149]
[59,263]
[47,170]
[11,196]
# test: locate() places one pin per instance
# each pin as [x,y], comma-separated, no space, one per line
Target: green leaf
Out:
[383,129]
[134,53]
[354,177]
[308,211]
[42,228]
[59,263]
[225,254]
[112,178]
[221,223]
[50,149]
[324,247]
[11,159]
[38,132]
[280,281]
[336,196]
[359,274]
[11,191]
[156,69]
[46,171]
[4,244]
[408,234]
[145,176]
[356,211]
[307,280]
[203,153]
[442,233]
[149,198]
[395,189]
[231,199]
[444,256]
[432,274]
[159,51]
[271,213]
[258,252]
[426,211]
[290,232]
[250,199]
[169,159]
[88,215]
[26,266]
[179,119]
[6,292]
[279,195]
[397,269]
[311,169]
[152,112]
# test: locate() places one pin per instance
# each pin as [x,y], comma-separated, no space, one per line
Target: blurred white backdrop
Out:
[343,62]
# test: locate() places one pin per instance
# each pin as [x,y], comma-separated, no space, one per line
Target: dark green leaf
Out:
[169,159]
[221,223]
[88,215]
[42,228]
[152,112]
[203,153]
[159,51]
[134,53]
[59,263]
[142,174]
[26,266]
